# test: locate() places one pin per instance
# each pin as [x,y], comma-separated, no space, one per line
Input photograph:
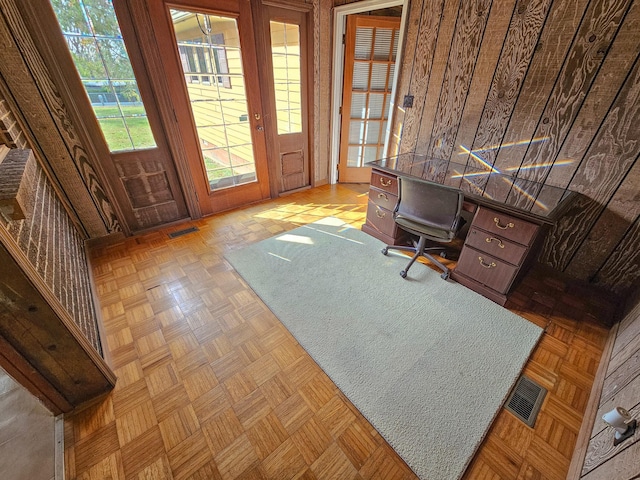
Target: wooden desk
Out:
[511,217]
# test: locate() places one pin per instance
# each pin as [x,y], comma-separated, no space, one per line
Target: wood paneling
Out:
[620,387]
[488,74]
[470,27]
[415,81]
[520,42]
[592,40]
[545,91]
[68,370]
[37,105]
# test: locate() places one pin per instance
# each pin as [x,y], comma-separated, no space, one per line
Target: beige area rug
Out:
[428,362]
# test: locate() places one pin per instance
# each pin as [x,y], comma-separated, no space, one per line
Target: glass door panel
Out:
[211,60]
[285,58]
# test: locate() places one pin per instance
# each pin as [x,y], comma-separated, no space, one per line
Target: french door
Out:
[211,70]
[371,46]
[286,68]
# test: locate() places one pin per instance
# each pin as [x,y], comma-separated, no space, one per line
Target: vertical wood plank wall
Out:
[35,101]
[621,389]
[546,91]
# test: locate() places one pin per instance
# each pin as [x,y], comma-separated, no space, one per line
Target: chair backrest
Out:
[429,203]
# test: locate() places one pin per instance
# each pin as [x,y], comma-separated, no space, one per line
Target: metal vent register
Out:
[179,233]
[525,400]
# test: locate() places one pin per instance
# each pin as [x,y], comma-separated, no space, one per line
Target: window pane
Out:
[285,56]
[144,136]
[382,48]
[356,132]
[364,39]
[354,157]
[115,58]
[359,105]
[71,17]
[101,17]
[212,65]
[376,105]
[91,30]
[379,76]
[360,76]
[373,132]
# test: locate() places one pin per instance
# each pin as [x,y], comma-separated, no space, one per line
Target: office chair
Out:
[432,212]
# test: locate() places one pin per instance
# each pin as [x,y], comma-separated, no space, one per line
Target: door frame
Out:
[215,201]
[339,27]
[261,12]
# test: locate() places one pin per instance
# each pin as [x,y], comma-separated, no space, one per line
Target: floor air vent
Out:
[179,233]
[525,400]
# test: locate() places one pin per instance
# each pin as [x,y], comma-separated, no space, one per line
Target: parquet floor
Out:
[212,386]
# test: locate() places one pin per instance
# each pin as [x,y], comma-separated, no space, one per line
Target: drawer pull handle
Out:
[380,213]
[385,183]
[508,225]
[382,195]
[486,265]
[491,239]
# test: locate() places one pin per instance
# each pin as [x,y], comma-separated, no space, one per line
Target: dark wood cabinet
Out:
[496,252]
[383,196]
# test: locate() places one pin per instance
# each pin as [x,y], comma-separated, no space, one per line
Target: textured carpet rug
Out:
[428,362]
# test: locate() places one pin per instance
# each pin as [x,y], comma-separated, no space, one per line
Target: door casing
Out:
[339,27]
[277,144]
[224,199]
[347,174]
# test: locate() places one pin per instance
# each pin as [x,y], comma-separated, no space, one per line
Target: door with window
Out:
[211,69]
[285,63]
[119,122]
[371,45]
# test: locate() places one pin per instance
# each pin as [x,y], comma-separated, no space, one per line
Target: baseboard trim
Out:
[59,447]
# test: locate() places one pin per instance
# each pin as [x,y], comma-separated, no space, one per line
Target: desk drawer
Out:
[496,246]
[383,199]
[384,182]
[486,269]
[381,219]
[505,226]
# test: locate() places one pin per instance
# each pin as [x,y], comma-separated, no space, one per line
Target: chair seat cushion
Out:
[431,232]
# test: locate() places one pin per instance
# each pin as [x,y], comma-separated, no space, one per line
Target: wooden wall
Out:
[549,91]
[621,388]
[34,100]
[49,240]
[49,336]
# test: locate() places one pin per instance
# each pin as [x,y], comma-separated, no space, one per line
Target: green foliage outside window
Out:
[95,42]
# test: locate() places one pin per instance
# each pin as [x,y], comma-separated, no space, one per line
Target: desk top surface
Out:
[485,186]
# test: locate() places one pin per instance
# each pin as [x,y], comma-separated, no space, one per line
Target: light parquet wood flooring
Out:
[212,386]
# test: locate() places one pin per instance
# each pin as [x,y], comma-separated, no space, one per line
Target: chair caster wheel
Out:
[385,251]
[403,274]
[445,275]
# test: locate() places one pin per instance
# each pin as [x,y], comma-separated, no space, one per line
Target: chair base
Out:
[420,251]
